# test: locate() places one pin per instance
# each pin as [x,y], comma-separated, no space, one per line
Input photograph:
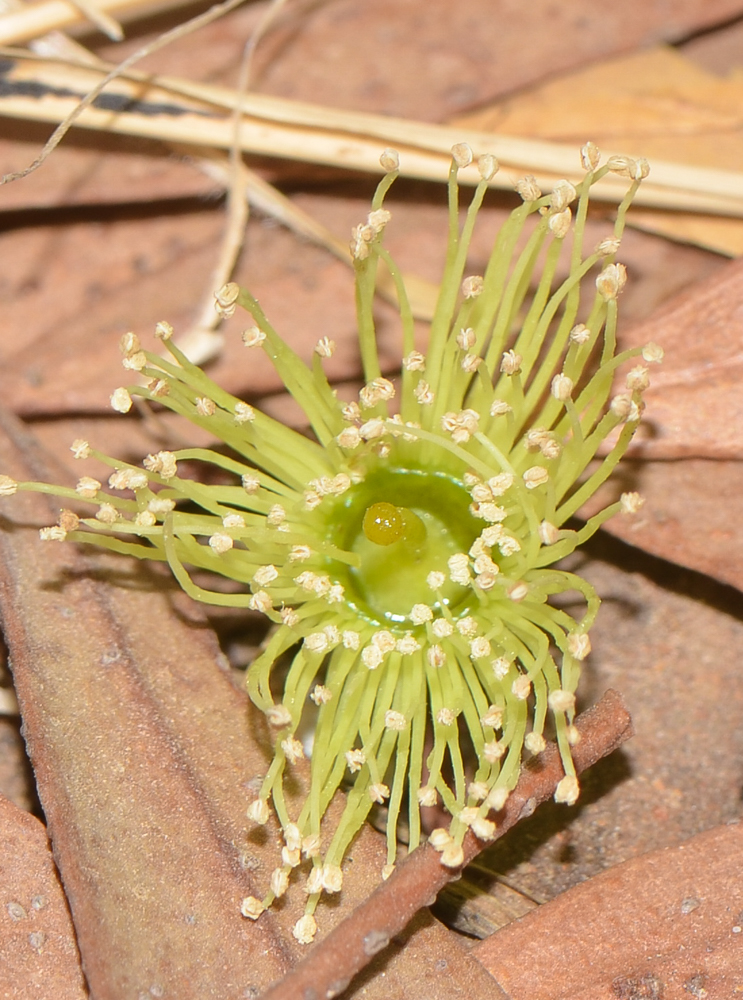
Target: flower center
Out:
[402,525]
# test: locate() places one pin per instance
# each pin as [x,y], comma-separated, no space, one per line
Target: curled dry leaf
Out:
[464,60]
[688,447]
[684,906]
[695,404]
[690,516]
[37,941]
[133,272]
[143,757]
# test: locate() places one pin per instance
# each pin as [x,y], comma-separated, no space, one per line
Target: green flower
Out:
[404,553]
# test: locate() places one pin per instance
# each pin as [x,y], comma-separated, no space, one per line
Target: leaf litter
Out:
[661,801]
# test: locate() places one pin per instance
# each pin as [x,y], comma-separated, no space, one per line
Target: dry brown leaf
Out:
[692,475]
[132,272]
[70,291]
[465,907]
[718,50]
[143,758]
[670,926]
[654,103]
[695,403]
[16,779]
[428,61]
[38,952]
[426,962]
[690,517]
[90,169]
[654,99]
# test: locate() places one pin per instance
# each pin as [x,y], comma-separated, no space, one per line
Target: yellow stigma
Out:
[385,524]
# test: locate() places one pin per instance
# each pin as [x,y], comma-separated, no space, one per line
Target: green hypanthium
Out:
[405,552]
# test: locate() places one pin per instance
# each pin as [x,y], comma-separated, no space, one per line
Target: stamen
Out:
[403,552]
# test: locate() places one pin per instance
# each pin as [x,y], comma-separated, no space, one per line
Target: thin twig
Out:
[349,947]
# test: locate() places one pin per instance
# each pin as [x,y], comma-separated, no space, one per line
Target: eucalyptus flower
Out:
[404,553]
